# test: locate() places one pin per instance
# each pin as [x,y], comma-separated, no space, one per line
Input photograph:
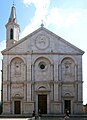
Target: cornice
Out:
[40,53]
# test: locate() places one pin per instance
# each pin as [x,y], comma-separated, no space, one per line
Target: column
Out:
[80,95]
[55,70]
[76,72]
[25,92]
[52,72]
[5,92]
[28,68]
[9,82]
[59,91]
[29,92]
[32,72]
[76,91]
[59,72]
[55,91]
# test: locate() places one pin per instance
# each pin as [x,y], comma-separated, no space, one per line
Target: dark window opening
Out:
[11,33]
[42,66]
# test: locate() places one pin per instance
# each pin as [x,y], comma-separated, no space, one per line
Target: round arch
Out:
[68,58]
[17,57]
[43,58]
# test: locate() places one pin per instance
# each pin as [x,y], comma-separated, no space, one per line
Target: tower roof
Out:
[12,17]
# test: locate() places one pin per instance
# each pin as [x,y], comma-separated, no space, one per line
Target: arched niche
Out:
[17,67]
[68,69]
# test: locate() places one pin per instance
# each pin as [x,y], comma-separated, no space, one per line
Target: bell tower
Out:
[12,29]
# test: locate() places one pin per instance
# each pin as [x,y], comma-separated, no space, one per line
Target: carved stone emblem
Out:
[42,41]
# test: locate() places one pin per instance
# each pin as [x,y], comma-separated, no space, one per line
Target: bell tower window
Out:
[11,33]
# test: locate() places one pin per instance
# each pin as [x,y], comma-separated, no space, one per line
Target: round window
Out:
[42,65]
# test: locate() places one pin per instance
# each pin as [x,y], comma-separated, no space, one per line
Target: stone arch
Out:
[42,87]
[42,61]
[17,56]
[17,95]
[68,69]
[65,58]
[42,57]
[69,56]
[68,94]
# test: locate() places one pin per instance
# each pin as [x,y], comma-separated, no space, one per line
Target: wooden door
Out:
[42,103]
[17,107]
[67,105]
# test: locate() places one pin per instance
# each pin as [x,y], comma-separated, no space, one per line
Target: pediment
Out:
[43,41]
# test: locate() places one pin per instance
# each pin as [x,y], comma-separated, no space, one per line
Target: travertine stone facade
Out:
[41,71]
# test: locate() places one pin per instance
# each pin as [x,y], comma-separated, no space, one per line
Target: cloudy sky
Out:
[66,18]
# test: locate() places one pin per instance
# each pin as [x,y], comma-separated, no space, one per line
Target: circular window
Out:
[42,65]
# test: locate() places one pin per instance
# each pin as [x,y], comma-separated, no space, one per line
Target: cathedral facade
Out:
[40,71]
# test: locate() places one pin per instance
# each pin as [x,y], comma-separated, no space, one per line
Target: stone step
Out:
[44,118]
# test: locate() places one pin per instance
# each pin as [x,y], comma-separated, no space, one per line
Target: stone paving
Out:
[16,119]
[13,119]
[43,119]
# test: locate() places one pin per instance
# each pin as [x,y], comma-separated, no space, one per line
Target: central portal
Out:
[17,107]
[42,103]
[67,104]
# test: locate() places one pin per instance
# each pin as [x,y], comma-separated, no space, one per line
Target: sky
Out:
[66,18]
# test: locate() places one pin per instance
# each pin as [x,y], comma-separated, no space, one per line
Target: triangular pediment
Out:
[43,41]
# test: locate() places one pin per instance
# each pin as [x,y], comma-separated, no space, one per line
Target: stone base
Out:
[56,107]
[28,107]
